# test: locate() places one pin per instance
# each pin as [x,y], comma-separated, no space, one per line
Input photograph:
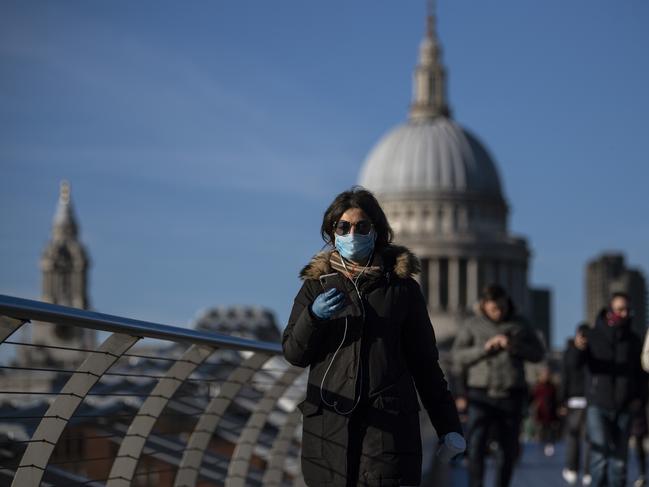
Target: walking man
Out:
[491,349]
[615,388]
[573,399]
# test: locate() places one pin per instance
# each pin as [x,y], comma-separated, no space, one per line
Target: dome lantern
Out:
[429,79]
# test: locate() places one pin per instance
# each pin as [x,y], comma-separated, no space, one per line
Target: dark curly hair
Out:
[357,197]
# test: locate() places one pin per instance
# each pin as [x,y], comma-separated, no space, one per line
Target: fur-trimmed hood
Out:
[396,259]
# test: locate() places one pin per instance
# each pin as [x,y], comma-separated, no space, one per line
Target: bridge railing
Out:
[151,405]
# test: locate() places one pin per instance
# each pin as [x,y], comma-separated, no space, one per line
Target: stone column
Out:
[433,284]
[448,219]
[438,213]
[489,274]
[472,276]
[453,284]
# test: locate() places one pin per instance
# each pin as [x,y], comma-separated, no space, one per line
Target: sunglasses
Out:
[363,227]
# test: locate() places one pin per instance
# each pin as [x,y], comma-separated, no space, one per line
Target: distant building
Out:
[251,322]
[607,274]
[64,266]
[443,196]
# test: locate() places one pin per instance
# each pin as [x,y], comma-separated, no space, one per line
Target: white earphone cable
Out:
[359,368]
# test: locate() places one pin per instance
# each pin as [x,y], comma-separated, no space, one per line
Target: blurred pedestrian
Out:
[639,432]
[639,428]
[615,388]
[360,324]
[458,388]
[645,352]
[572,397]
[491,348]
[545,405]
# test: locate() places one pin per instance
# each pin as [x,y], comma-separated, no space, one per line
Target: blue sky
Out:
[204,140]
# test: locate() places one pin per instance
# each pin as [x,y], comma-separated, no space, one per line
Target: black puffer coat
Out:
[615,377]
[382,359]
[573,374]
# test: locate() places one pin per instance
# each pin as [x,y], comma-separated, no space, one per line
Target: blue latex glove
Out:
[451,445]
[328,303]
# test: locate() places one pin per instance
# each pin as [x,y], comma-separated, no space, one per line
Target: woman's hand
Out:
[328,303]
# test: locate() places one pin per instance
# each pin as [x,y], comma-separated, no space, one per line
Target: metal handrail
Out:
[124,333]
[28,309]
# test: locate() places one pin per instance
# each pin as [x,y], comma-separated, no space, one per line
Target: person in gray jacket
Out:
[490,349]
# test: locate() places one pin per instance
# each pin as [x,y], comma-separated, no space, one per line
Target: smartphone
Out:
[335,280]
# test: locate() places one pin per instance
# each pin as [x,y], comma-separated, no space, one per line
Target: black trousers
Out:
[486,420]
[575,438]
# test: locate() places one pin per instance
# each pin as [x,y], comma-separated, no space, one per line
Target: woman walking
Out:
[360,324]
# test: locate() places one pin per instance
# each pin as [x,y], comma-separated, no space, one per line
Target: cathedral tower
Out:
[64,266]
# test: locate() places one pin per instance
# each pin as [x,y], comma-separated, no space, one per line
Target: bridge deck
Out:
[535,469]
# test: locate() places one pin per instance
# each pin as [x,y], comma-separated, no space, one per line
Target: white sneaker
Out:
[569,476]
[641,481]
[586,480]
[548,450]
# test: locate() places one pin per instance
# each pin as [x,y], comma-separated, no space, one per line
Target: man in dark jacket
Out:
[491,349]
[616,386]
[572,397]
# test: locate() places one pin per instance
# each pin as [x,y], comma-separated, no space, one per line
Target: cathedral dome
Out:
[441,192]
[430,155]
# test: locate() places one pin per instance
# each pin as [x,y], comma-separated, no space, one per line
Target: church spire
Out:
[65,262]
[429,80]
[65,224]
[64,266]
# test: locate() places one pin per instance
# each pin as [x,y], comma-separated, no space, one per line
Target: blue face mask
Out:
[355,247]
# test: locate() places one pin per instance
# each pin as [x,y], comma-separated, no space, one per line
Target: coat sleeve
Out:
[301,336]
[526,344]
[420,351]
[641,375]
[466,351]
[568,365]
[645,352]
